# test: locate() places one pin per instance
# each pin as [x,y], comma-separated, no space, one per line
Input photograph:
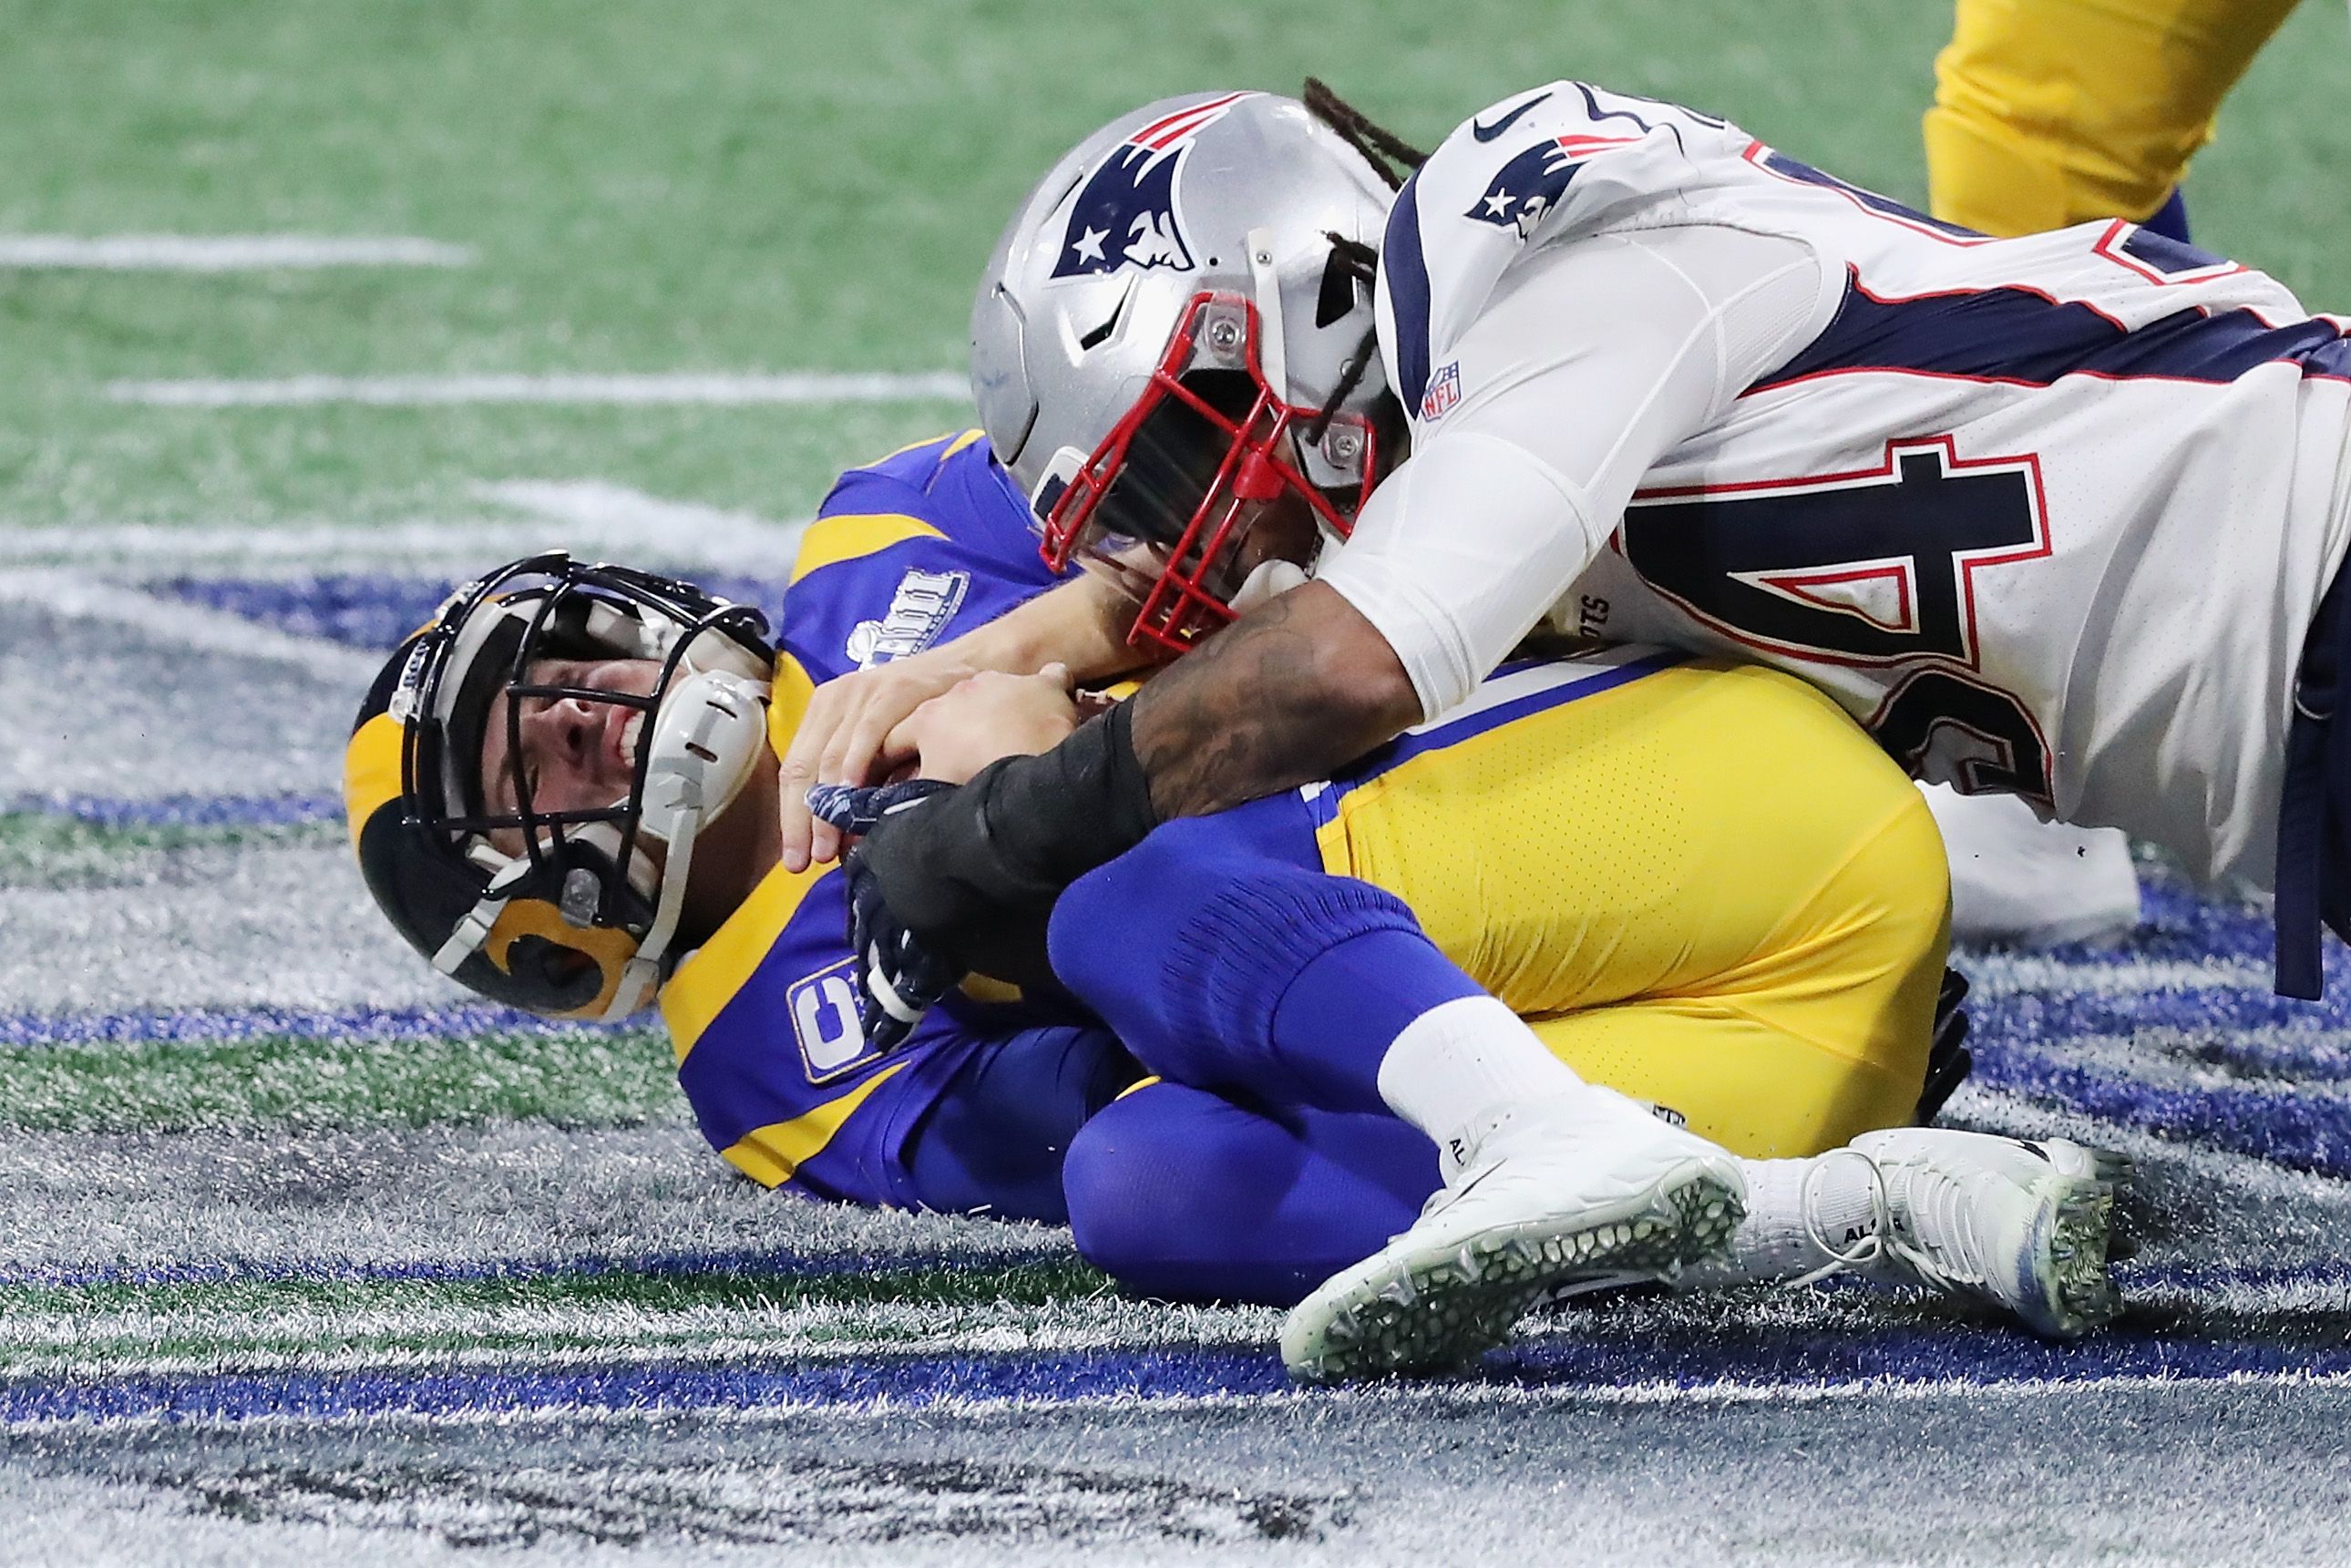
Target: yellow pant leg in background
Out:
[1713,888]
[2050,112]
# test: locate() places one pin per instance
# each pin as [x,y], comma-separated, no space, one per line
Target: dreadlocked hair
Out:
[1392,158]
[1362,263]
[1353,254]
[1377,144]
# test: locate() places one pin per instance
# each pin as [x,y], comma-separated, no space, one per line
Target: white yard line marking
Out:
[1900,1389]
[2002,974]
[83,1341]
[684,387]
[800,1410]
[225,253]
[816,1344]
[585,516]
[192,628]
[619,518]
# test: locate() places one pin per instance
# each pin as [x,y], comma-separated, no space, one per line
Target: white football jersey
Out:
[2049,516]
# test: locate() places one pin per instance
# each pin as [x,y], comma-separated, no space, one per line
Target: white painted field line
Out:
[804,1349]
[94,1344]
[620,519]
[225,253]
[191,627]
[587,517]
[92,1339]
[1446,1397]
[2005,974]
[803,387]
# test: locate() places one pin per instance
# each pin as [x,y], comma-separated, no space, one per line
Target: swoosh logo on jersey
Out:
[1488,132]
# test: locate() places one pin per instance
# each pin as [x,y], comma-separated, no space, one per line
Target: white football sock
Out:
[1462,1062]
[1779,1239]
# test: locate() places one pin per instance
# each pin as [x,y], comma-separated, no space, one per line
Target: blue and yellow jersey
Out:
[912,550]
[909,553]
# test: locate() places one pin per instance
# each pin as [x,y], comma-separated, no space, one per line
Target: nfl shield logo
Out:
[1443,392]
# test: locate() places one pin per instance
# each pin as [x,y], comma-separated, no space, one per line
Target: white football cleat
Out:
[1584,1187]
[2018,1225]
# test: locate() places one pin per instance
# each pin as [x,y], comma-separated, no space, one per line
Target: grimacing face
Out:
[577,754]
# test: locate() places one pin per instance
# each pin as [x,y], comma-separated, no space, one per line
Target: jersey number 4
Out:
[1870,567]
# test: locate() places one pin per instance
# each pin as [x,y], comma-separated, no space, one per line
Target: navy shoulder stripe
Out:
[2017,335]
[1407,277]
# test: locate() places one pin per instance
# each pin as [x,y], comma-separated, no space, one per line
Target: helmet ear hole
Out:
[571,977]
[1337,296]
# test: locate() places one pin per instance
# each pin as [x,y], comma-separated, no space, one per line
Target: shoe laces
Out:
[1862,1253]
[1941,1247]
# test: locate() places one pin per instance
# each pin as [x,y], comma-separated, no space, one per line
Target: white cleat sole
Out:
[1434,1306]
[2064,1290]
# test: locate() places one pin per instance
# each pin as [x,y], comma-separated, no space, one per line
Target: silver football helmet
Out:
[1166,347]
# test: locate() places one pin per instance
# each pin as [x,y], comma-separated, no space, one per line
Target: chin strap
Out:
[695,776]
[465,938]
[673,795]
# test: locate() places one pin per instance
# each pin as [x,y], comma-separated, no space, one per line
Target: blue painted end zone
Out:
[181,1026]
[180,810]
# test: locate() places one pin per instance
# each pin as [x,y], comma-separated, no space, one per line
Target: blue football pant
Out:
[1172,1191]
[1178,1193]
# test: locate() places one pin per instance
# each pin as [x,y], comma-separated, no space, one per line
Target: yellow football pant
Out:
[1822,1039]
[1706,888]
[2050,112]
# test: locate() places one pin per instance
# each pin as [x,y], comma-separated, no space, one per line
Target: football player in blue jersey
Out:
[564,789]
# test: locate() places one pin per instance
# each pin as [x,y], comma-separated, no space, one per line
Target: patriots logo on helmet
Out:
[1124,214]
[1530,184]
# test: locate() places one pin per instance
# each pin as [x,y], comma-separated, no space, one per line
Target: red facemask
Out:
[1167,503]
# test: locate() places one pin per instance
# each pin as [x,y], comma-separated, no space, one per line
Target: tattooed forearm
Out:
[1294,691]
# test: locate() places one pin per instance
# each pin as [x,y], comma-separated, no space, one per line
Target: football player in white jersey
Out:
[2056,516]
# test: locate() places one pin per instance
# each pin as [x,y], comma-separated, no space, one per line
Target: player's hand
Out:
[843,739]
[898,978]
[986,716]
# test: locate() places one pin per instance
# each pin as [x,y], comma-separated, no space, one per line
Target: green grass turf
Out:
[585,1078]
[1033,1284]
[733,184]
[539,1316]
[39,849]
